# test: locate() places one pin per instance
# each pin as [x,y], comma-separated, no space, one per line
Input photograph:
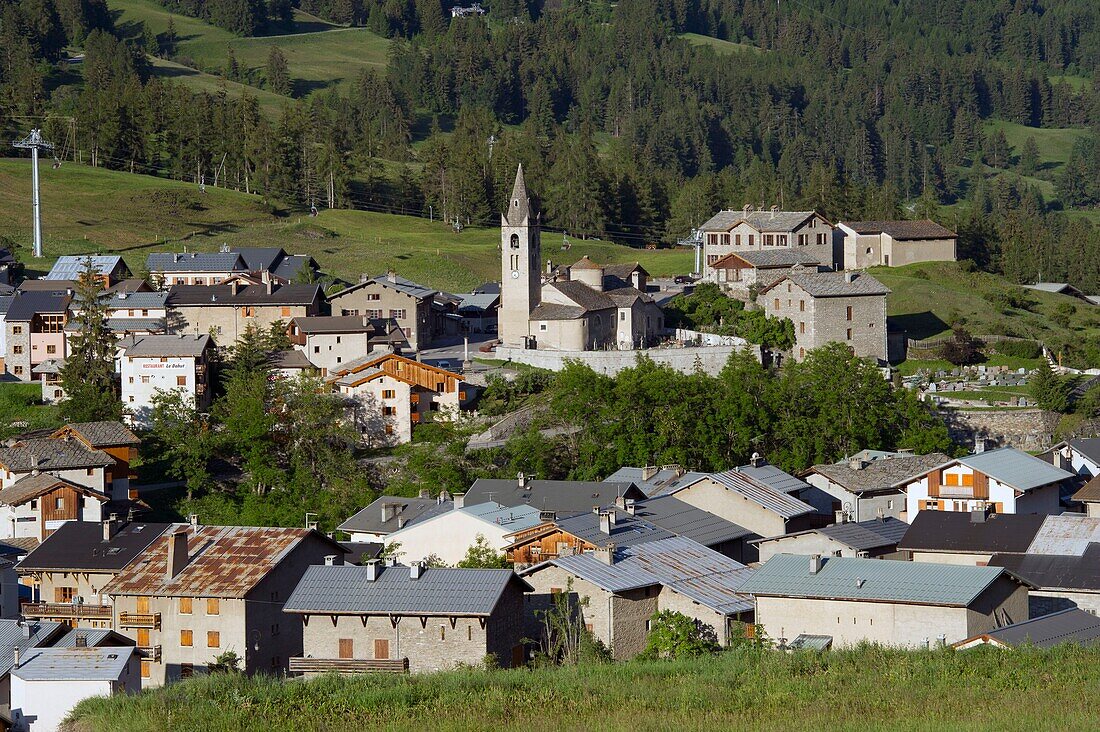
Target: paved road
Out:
[452,351]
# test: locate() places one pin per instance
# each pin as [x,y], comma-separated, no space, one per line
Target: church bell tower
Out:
[520,257]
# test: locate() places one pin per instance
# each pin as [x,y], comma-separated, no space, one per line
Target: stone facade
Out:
[379,299]
[17,362]
[875,250]
[711,359]
[858,321]
[1031,430]
[226,322]
[754,231]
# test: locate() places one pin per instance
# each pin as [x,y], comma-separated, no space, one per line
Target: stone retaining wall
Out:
[710,359]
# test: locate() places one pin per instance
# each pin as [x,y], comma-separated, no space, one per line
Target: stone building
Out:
[871,485]
[895,243]
[741,274]
[330,341]
[198,591]
[397,618]
[831,307]
[874,539]
[907,604]
[225,311]
[765,230]
[35,330]
[393,297]
[618,590]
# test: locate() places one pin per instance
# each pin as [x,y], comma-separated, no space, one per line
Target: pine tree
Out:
[1029,158]
[170,41]
[1049,390]
[88,376]
[232,68]
[278,73]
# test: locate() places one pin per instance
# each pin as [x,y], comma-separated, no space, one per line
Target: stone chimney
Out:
[649,471]
[26,628]
[775,210]
[606,522]
[269,282]
[234,287]
[415,569]
[746,210]
[815,563]
[521,480]
[424,494]
[389,510]
[856,463]
[850,276]
[391,275]
[756,460]
[979,515]
[372,570]
[460,500]
[630,506]
[110,527]
[177,554]
[193,519]
[16,653]
[979,445]
[606,554]
[620,502]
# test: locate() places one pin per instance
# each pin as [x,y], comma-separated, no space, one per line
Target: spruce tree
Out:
[1029,158]
[278,73]
[88,376]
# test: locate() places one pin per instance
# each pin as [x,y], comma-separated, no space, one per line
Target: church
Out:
[580,307]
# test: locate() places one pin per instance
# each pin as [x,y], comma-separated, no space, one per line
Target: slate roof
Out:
[260,258]
[584,296]
[847,578]
[773,258]
[833,284]
[34,486]
[955,531]
[562,496]
[107,433]
[51,454]
[867,535]
[680,564]
[627,531]
[1068,534]
[1055,572]
[1090,492]
[762,494]
[1016,468]
[61,287]
[71,267]
[760,220]
[79,545]
[554,311]
[5,302]
[665,481]
[438,591]
[333,324]
[11,637]
[369,520]
[623,270]
[521,204]
[224,561]
[291,358]
[883,474]
[1072,625]
[25,305]
[420,292]
[1089,446]
[222,295]
[911,230]
[585,263]
[682,519]
[195,262]
[179,346]
[74,664]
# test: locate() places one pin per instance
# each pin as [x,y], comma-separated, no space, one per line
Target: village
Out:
[986,544]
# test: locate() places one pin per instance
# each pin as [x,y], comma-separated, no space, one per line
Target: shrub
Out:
[1020,349]
[675,635]
[962,349]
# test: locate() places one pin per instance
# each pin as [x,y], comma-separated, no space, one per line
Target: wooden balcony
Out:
[139,620]
[66,610]
[149,653]
[302,665]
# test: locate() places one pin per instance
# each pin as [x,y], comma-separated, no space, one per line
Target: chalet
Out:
[626,586]
[113,438]
[867,486]
[830,307]
[395,393]
[200,590]
[1089,495]
[70,268]
[1006,479]
[151,364]
[37,505]
[896,243]
[875,539]
[225,311]
[1071,625]
[953,537]
[407,618]
[765,230]
[390,296]
[906,604]
[742,273]
[69,569]
[448,534]
[64,458]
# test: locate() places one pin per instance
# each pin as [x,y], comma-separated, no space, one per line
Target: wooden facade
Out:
[544,542]
[62,503]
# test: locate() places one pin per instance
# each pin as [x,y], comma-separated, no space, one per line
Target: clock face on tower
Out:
[515,274]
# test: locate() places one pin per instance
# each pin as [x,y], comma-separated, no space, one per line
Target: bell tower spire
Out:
[521,256]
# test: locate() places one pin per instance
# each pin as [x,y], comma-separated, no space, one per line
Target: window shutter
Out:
[935,478]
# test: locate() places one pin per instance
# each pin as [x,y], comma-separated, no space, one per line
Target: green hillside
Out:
[270,103]
[1055,144]
[860,690]
[95,210]
[721,47]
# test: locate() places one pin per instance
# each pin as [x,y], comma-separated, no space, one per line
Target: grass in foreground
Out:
[863,689]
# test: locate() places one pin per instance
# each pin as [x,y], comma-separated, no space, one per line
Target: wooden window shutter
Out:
[935,478]
[981,485]
[346,648]
[381,649]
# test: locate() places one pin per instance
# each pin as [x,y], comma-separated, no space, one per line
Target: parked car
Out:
[684,279]
[443,364]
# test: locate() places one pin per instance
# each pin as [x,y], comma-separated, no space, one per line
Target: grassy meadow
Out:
[721,47]
[20,409]
[89,210]
[858,690]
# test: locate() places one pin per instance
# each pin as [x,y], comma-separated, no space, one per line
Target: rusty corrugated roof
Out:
[223,561]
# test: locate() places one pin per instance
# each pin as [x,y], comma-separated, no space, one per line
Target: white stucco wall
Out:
[447,536]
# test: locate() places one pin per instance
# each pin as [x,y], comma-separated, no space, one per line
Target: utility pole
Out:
[34,143]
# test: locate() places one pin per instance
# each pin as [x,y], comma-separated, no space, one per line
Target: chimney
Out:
[414,570]
[391,561]
[649,471]
[979,515]
[549,267]
[372,570]
[521,480]
[269,284]
[849,276]
[330,560]
[606,522]
[177,554]
[234,287]
[424,493]
[620,502]
[400,523]
[26,627]
[391,275]
[775,209]
[193,519]
[110,527]
[364,278]
[17,654]
[606,554]
[756,460]
[81,641]
[979,445]
[630,507]
[389,510]
[460,500]
[596,510]
[841,516]
[746,210]
[815,563]
[856,463]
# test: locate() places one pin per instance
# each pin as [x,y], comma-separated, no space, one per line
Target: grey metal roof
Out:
[763,220]
[480,301]
[26,305]
[563,496]
[410,511]
[1057,288]
[95,637]
[181,345]
[833,284]
[409,287]
[665,480]
[1072,625]
[105,663]
[334,324]
[222,295]
[1054,572]
[138,300]
[867,535]
[762,494]
[680,564]
[1016,468]
[683,519]
[11,637]
[1068,534]
[195,262]
[847,578]
[956,531]
[438,591]
[294,264]
[883,474]
[1089,446]
[71,267]
[770,475]
[627,530]
[125,325]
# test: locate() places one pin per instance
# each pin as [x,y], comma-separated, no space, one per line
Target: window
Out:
[712,239]
[514,241]
[776,303]
[782,240]
[388,393]
[622,315]
[213,639]
[213,606]
[57,393]
[849,335]
[821,240]
[848,313]
[373,296]
[17,330]
[752,239]
[146,669]
[801,306]
[769,240]
[53,324]
[187,638]
[389,411]
[542,326]
[64,594]
[381,649]
[803,239]
[802,327]
[374,313]
[725,240]
[398,314]
[389,429]
[18,370]
[931,505]
[285,312]
[248,311]
[442,632]
[131,379]
[802,353]
[181,381]
[737,239]
[346,647]
[17,349]
[144,313]
[274,629]
[951,479]
[711,259]
[34,504]
[51,349]
[185,606]
[145,379]
[316,349]
[130,313]
[58,504]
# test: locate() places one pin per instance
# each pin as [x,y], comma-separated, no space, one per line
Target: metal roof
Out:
[334,324]
[196,262]
[956,531]
[1072,625]
[409,510]
[847,578]
[682,519]
[866,535]
[1055,572]
[762,220]
[1089,446]
[79,546]
[71,267]
[26,305]
[11,637]
[626,531]
[223,561]
[438,591]
[680,564]
[805,642]
[1068,534]
[762,494]
[222,295]
[665,481]
[138,300]
[770,475]
[514,518]
[93,637]
[562,496]
[1015,468]
[106,663]
[180,346]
